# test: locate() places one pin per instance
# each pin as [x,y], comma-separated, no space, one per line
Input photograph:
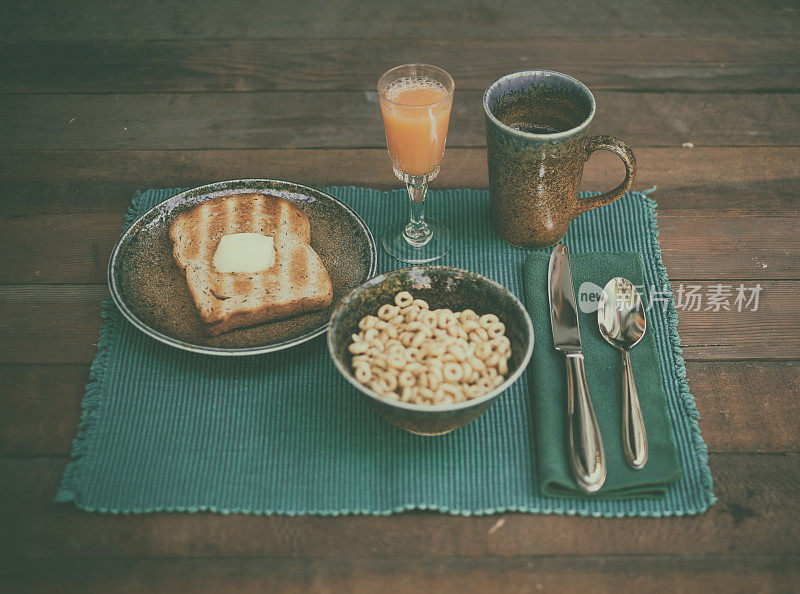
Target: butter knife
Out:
[586,453]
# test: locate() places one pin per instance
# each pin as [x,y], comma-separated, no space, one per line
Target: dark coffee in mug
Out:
[546,112]
[537,142]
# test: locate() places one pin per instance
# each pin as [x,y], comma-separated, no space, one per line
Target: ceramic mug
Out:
[537,145]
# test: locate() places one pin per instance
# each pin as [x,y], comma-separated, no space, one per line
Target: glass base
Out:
[398,247]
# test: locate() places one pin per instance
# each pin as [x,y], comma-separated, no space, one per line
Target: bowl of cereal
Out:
[430,347]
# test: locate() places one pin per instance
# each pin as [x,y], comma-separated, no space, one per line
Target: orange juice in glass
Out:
[415,102]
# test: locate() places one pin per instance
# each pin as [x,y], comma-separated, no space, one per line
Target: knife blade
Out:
[586,452]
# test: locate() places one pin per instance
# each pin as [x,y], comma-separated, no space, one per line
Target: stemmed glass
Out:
[415,102]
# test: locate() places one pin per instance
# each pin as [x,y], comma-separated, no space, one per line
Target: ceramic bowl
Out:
[441,287]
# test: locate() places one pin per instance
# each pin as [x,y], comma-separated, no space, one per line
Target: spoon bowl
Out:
[620,314]
[622,323]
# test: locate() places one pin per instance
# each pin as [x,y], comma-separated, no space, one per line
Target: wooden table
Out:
[98,100]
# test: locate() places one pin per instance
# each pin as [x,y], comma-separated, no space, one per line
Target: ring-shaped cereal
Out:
[459,352]
[502,366]
[428,318]
[488,319]
[367,322]
[363,374]
[406,379]
[452,389]
[412,353]
[360,360]
[474,391]
[403,299]
[387,311]
[378,360]
[419,339]
[501,344]
[410,313]
[358,348]
[388,382]
[394,348]
[477,364]
[416,354]
[446,318]
[396,360]
[482,334]
[415,367]
[425,394]
[496,330]
[452,372]
[486,382]
[483,351]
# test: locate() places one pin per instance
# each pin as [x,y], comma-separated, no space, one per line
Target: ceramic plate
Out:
[150,288]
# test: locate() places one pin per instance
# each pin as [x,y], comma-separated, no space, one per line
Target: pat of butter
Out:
[244,252]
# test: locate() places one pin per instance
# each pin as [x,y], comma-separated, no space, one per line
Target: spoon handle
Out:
[634,438]
[587,456]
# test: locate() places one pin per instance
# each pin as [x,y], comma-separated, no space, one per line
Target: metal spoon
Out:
[622,323]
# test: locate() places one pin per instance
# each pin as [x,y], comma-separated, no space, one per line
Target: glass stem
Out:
[417,231]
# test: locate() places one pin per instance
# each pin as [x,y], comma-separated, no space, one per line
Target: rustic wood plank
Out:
[744,406]
[601,574]
[74,248]
[747,404]
[351,120]
[41,408]
[304,21]
[757,513]
[59,324]
[750,181]
[62,317]
[643,64]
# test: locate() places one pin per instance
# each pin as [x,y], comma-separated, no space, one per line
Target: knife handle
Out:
[587,456]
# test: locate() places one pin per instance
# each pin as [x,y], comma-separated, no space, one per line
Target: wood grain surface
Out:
[98,101]
[352,120]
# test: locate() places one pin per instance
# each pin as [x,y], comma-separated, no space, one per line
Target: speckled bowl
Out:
[440,286]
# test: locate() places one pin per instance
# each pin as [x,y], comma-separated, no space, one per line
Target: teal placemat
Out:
[283,433]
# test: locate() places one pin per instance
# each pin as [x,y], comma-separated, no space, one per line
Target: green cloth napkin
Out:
[604,376]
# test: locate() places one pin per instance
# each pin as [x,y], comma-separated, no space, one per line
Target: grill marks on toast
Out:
[297,283]
[222,223]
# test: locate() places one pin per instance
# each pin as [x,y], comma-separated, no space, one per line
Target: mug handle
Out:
[624,152]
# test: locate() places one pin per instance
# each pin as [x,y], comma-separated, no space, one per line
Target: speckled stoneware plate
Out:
[150,288]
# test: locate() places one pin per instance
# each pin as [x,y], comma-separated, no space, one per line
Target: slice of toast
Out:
[295,284]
